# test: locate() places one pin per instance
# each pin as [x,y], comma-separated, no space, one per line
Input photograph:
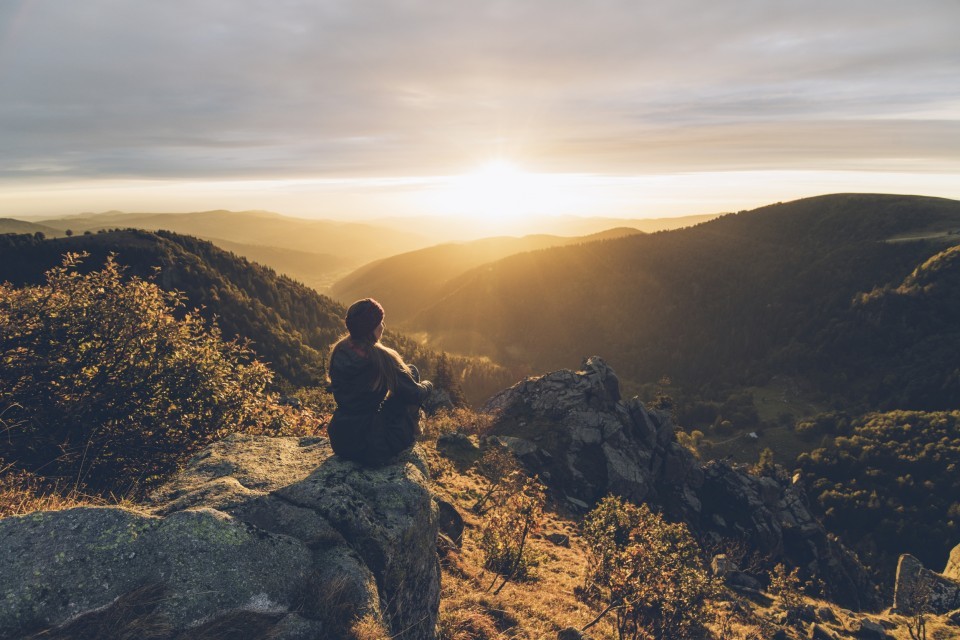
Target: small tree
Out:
[444,379]
[502,471]
[920,594]
[786,586]
[646,571]
[507,529]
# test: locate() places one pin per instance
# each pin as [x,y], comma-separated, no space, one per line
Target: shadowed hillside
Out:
[408,282]
[10,225]
[726,302]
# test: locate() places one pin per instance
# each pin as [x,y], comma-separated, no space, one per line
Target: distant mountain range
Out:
[318,252]
[314,252]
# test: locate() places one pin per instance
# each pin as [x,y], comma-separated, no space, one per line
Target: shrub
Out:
[507,527]
[786,586]
[646,571]
[105,386]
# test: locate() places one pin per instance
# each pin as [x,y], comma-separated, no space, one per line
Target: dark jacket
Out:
[368,427]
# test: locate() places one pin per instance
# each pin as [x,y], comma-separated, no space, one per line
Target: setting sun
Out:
[500,191]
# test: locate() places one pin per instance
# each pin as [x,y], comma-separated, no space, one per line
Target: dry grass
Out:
[462,419]
[369,627]
[251,625]
[542,606]
[537,608]
[22,492]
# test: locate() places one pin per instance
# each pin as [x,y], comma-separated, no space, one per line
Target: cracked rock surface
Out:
[274,529]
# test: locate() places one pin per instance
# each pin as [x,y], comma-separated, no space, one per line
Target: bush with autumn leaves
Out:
[108,382]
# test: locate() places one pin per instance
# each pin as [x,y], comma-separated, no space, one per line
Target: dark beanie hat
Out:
[363,317]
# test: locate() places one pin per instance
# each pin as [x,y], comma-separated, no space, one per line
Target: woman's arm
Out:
[409,390]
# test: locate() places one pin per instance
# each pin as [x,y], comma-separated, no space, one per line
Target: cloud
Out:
[218,89]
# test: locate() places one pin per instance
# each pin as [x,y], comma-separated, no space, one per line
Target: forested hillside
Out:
[888,484]
[728,302]
[291,326]
[409,282]
[315,252]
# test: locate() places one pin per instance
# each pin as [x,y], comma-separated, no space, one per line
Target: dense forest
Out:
[888,483]
[806,288]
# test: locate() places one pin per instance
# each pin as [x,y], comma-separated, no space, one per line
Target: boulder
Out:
[721,565]
[818,632]
[272,535]
[919,588]
[952,570]
[573,429]
[558,539]
[826,614]
[870,630]
[953,617]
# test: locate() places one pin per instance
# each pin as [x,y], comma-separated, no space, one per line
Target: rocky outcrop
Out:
[273,532]
[574,431]
[920,589]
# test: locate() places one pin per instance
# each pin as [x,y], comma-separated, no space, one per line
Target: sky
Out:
[367,108]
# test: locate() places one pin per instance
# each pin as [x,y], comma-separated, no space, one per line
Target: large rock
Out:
[572,428]
[920,589]
[273,535]
[952,570]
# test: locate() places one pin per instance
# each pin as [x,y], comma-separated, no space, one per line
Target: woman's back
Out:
[378,396]
[352,373]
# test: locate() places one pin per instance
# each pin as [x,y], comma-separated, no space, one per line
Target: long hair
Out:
[387,362]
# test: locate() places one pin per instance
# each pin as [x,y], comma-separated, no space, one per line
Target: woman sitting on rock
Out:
[378,395]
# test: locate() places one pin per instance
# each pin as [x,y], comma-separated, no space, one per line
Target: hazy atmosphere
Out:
[339,109]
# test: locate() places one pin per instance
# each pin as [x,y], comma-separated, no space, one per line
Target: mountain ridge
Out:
[736,297]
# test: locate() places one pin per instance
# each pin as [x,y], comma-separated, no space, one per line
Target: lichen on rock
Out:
[300,540]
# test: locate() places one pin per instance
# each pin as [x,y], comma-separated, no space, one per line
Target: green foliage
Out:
[890,486]
[647,571]
[289,325]
[444,379]
[104,386]
[515,515]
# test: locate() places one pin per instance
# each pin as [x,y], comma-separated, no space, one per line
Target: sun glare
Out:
[497,190]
